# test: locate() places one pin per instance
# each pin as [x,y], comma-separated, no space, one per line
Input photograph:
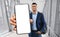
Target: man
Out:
[38,25]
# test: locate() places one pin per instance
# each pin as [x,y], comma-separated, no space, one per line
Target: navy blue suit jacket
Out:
[40,22]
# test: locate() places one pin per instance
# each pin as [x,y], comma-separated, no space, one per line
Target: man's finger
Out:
[13,20]
[12,23]
[14,29]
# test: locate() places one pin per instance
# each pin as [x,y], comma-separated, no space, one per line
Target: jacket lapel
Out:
[37,16]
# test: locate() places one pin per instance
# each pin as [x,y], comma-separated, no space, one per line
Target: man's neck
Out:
[34,12]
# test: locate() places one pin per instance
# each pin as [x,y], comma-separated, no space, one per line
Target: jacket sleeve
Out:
[44,27]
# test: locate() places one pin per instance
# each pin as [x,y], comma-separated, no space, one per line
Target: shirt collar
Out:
[36,12]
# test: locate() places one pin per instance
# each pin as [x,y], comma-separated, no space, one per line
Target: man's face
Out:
[34,7]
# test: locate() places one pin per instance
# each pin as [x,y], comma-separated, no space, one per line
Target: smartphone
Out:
[22,19]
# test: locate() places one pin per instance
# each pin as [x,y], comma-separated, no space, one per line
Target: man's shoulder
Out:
[40,13]
[30,13]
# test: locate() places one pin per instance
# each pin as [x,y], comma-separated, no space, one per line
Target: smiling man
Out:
[38,25]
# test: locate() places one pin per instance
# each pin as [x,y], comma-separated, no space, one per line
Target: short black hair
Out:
[34,3]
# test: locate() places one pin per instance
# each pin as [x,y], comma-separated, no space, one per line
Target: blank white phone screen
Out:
[22,19]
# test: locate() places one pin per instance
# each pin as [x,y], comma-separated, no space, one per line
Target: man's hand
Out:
[31,21]
[13,21]
[38,32]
